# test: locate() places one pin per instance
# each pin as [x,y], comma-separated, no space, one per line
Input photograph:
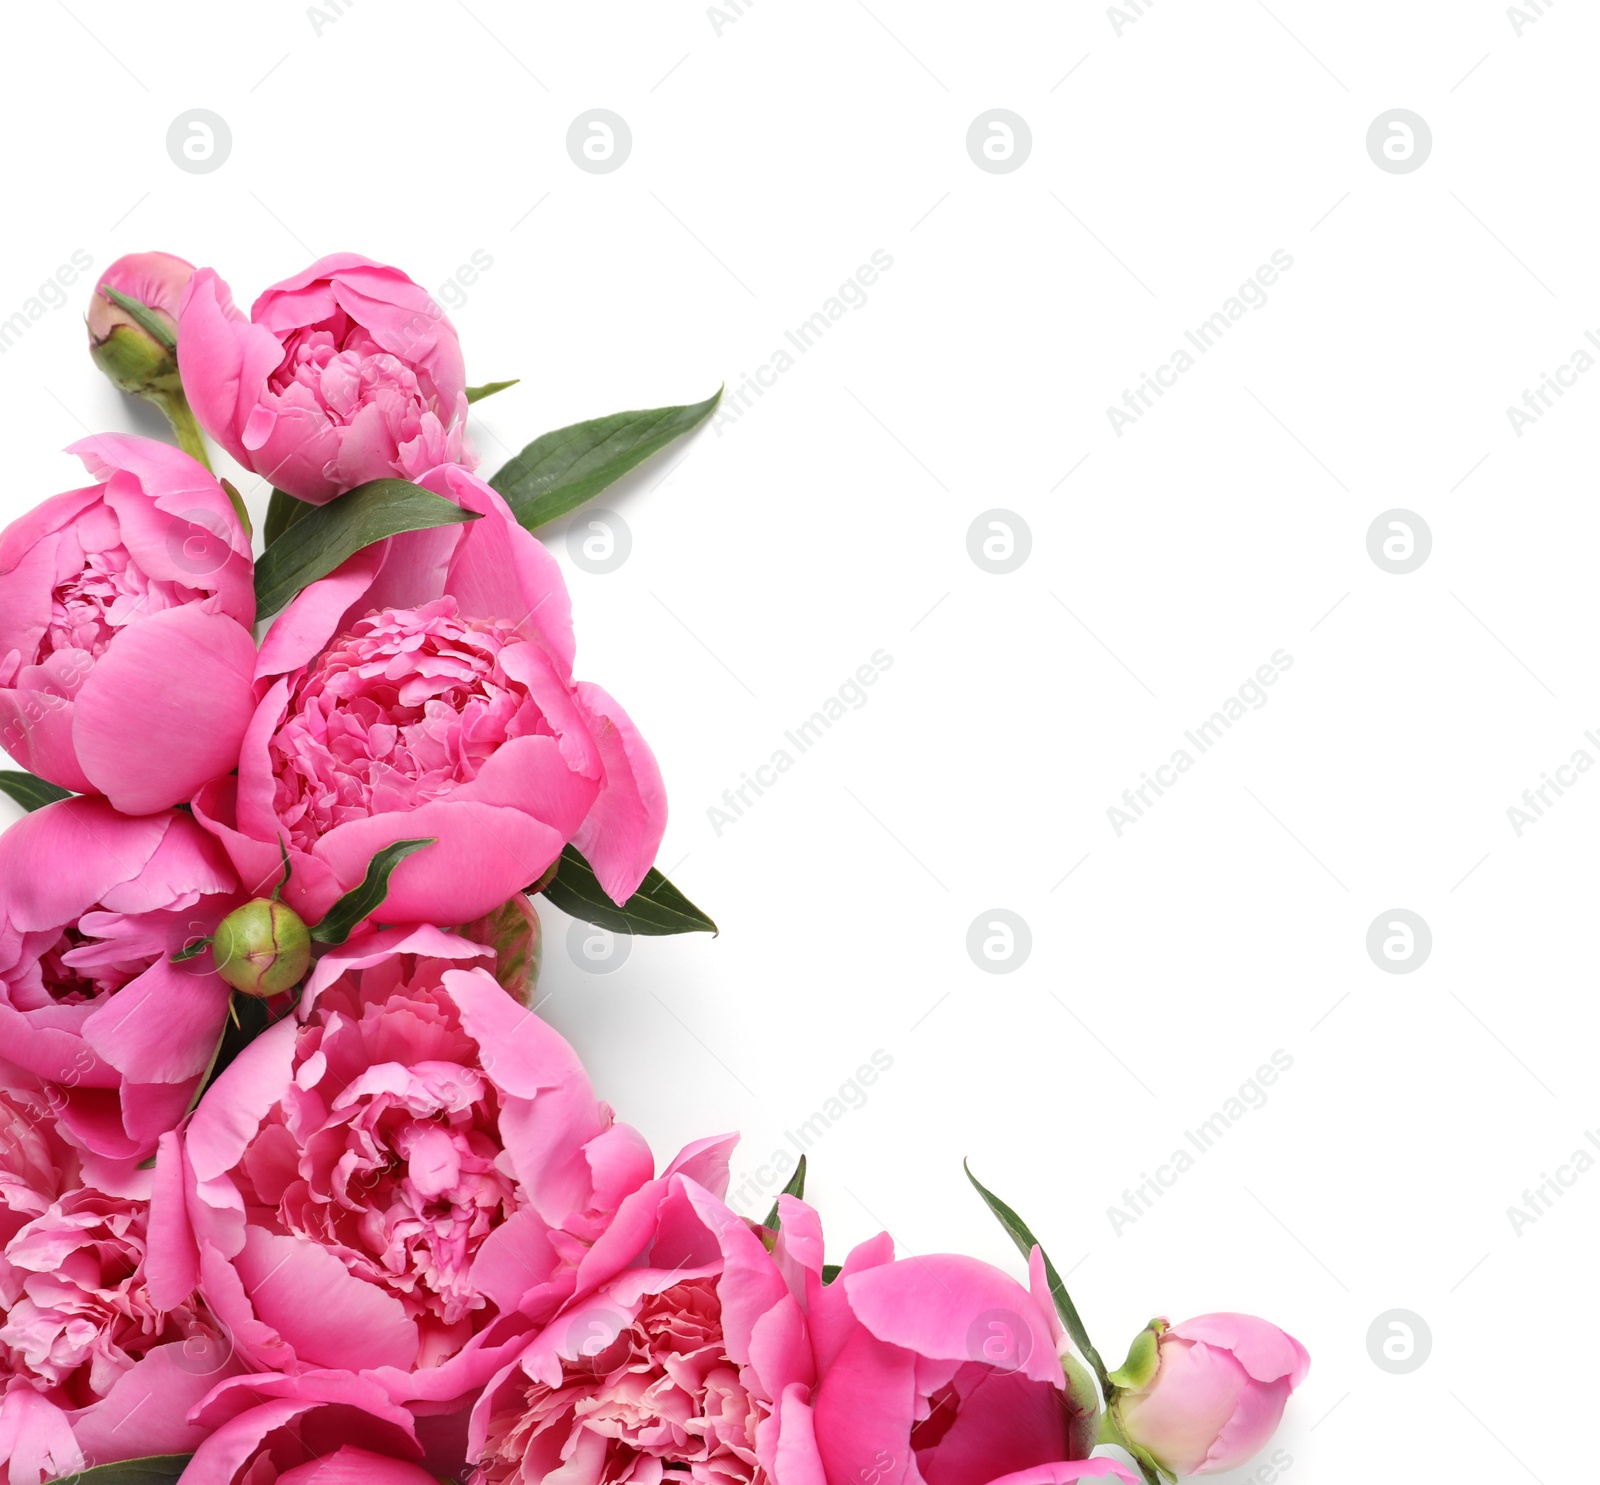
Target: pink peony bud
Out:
[139,358]
[1204,1396]
[262,948]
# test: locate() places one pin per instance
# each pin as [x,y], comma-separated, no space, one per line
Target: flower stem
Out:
[190,439]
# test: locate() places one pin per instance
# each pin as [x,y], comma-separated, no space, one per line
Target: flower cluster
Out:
[294,1184]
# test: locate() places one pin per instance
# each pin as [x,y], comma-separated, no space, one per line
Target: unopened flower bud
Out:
[139,358]
[133,336]
[1204,1396]
[512,931]
[262,948]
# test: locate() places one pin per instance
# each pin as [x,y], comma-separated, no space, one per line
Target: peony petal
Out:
[1263,1350]
[146,1410]
[329,1316]
[223,359]
[162,1026]
[930,1305]
[59,861]
[165,708]
[622,832]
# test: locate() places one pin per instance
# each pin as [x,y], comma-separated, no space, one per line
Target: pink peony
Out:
[370,1188]
[425,689]
[346,372]
[1215,1393]
[939,1370]
[91,1370]
[673,1360]
[92,906]
[125,629]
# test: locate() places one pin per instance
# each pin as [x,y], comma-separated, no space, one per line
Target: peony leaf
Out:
[656,908]
[1017,1231]
[30,792]
[796,1187]
[362,902]
[283,510]
[488,389]
[557,472]
[154,1469]
[318,541]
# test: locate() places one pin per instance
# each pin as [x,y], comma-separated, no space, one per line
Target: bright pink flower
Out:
[92,1371]
[425,689]
[370,1187]
[672,1362]
[937,1370]
[93,905]
[344,373]
[1217,1395]
[319,1428]
[125,629]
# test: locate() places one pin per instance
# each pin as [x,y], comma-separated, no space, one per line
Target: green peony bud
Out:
[262,948]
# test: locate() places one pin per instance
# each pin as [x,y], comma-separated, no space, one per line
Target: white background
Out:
[771,156]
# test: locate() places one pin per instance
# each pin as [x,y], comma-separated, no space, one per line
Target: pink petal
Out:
[162,1026]
[329,1316]
[622,832]
[165,708]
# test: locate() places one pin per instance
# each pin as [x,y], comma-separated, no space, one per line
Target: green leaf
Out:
[1026,1242]
[558,472]
[155,1469]
[488,389]
[239,508]
[148,321]
[796,1187]
[830,1272]
[283,510]
[28,791]
[190,951]
[656,908]
[312,546]
[363,901]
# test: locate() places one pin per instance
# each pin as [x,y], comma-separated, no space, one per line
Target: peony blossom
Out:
[1204,1396]
[344,373]
[125,629]
[93,905]
[424,689]
[91,1370]
[941,1370]
[670,1362]
[368,1188]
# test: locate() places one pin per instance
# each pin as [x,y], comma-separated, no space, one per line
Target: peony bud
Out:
[512,930]
[133,336]
[139,359]
[1204,1396]
[262,948]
